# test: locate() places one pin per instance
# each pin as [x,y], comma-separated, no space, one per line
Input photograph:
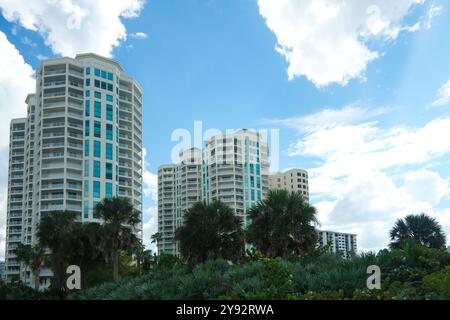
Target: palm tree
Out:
[55,232]
[87,248]
[421,229]
[33,257]
[119,218]
[283,225]
[210,231]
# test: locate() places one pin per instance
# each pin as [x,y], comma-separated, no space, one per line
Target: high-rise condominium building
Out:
[342,243]
[293,180]
[232,168]
[80,142]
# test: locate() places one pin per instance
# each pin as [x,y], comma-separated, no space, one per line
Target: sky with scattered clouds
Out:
[359,89]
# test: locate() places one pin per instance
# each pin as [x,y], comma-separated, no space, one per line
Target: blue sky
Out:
[356,88]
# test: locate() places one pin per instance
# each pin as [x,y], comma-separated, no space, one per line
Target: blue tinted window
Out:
[86,147]
[109,151]
[109,171]
[98,95]
[88,71]
[109,131]
[110,76]
[87,107]
[97,72]
[97,129]
[110,87]
[96,190]
[86,168]
[97,169]
[103,74]
[109,112]
[97,149]
[97,109]
[88,93]
[88,82]
[86,128]
[108,190]
[97,83]
[86,187]
[109,98]
[86,210]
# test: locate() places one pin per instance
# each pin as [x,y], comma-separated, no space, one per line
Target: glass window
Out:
[88,71]
[86,147]
[109,112]
[97,129]
[109,171]
[110,76]
[86,187]
[98,95]
[88,93]
[87,107]
[97,109]
[109,131]
[97,169]
[104,74]
[97,149]
[86,168]
[109,151]
[108,190]
[110,87]
[109,98]
[97,72]
[88,82]
[86,210]
[96,190]
[86,128]
[97,83]
[103,85]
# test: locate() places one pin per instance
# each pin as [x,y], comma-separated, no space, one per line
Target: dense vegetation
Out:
[283,262]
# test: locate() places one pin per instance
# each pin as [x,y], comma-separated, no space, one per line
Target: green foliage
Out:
[19,291]
[422,229]
[210,231]
[437,284]
[282,225]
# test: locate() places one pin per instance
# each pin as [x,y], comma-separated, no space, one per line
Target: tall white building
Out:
[342,243]
[293,180]
[81,142]
[232,168]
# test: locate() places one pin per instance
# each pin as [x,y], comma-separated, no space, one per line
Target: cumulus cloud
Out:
[150,226]
[327,41]
[70,27]
[366,175]
[443,96]
[139,35]
[16,81]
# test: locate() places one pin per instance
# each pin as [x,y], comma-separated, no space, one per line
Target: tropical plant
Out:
[422,229]
[55,232]
[282,225]
[210,231]
[119,218]
[33,257]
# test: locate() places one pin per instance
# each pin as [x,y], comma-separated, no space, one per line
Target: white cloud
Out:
[433,12]
[70,27]
[150,227]
[443,96]
[365,177]
[139,35]
[16,81]
[326,41]
[150,180]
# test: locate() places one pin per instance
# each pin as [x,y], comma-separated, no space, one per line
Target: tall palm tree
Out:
[282,225]
[210,231]
[55,232]
[421,229]
[119,218]
[33,257]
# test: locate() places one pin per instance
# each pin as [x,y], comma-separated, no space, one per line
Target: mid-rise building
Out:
[340,243]
[293,180]
[232,168]
[81,142]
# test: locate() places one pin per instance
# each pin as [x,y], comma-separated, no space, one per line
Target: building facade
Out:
[340,243]
[232,168]
[81,142]
[293,180]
